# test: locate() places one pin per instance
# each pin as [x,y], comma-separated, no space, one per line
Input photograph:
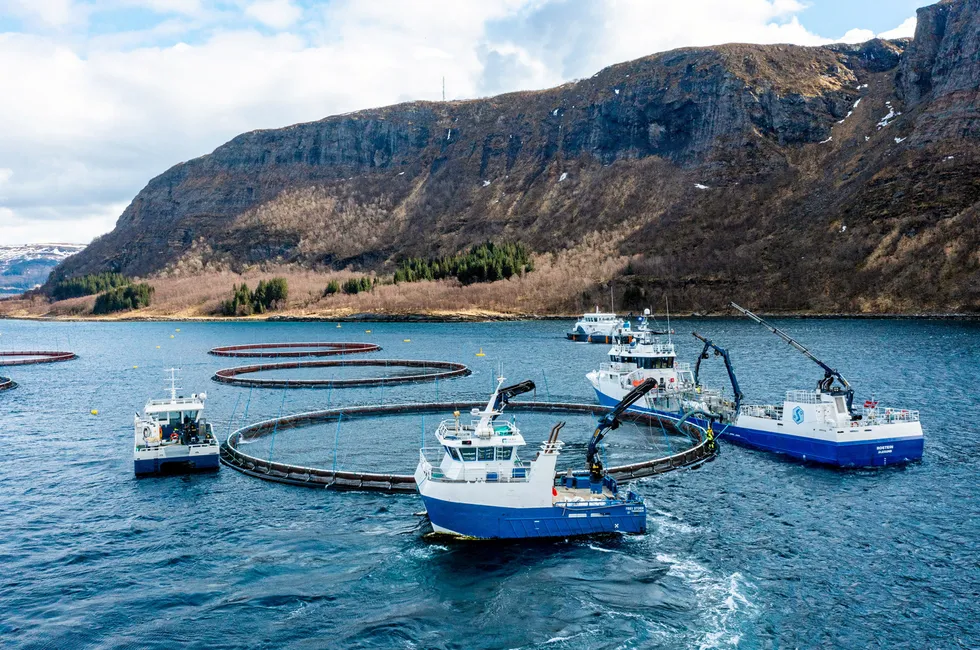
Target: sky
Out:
[100,96]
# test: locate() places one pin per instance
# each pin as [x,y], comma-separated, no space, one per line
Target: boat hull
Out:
[176,463]
[495,522]
[877,452]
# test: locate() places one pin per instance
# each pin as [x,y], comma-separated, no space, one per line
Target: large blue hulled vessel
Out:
[821,425]
[476,485]
[172,435]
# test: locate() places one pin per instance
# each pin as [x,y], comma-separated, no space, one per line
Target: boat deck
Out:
[566,494]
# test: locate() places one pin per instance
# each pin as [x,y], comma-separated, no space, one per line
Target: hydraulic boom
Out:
[610,421]
[505,394]
[723,353]
[830,374]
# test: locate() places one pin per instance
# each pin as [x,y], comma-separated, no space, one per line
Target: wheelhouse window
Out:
[485,453]
[503,453]
[467,453]
[452,452]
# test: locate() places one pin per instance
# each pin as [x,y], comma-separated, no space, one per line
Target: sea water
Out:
[749,551]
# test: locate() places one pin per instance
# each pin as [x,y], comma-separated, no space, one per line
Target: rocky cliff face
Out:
[829,178]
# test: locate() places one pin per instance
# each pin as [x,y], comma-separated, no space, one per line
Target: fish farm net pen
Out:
[701,451]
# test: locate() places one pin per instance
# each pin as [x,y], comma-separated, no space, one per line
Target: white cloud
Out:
[905,30]
[97,116]
[857,36]
[278,14]
[5,174]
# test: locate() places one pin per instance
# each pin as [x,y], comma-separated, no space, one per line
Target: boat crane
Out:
[719,352]
[830,374]
[505,394]
[609,422]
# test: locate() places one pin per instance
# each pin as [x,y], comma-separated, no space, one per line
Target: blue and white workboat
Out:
[173,436]
[476,485]
[821,425]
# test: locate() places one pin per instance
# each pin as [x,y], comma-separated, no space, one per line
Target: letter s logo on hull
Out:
[798,415]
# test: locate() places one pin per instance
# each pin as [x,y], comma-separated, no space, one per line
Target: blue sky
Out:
[110,93]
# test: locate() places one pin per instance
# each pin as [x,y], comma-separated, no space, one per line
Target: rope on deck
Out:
[293,349]
[449,369]
[41,356]
[701,451]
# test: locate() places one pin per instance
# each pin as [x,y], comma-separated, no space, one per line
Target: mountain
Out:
[837,179]
[25,267]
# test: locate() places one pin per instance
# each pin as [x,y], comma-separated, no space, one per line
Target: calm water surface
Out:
[750,551]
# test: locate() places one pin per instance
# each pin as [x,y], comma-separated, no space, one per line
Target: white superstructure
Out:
[172,434]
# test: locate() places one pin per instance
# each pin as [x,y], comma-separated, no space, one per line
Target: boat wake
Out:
[723,603]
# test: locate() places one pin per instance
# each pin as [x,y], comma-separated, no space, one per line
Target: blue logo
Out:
[798,415]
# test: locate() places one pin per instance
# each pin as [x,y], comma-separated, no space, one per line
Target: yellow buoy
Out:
[367,331]
[177,330]
[171,336]
[406,340]
[158,347]
[94,411]
[480,353]
[135,367]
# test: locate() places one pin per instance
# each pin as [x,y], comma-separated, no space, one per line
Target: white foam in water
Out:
[721,599]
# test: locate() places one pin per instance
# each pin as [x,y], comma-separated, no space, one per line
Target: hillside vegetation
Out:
[817,179]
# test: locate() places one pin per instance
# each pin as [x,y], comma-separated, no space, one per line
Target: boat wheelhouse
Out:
[643,357]
[596,327]
[173,436]
[476,484]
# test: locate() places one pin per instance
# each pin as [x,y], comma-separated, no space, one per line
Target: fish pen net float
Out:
[700,446]
[433,371]
[293,349]
[6,383]
[28,357]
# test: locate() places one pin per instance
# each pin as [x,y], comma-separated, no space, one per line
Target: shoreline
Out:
[464,317]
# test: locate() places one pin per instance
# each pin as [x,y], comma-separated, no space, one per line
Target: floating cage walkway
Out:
[6,383]
[703,449]
[448,370]
[293,349]
[41,356]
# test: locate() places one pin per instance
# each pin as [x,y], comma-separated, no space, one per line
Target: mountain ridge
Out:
[706,165]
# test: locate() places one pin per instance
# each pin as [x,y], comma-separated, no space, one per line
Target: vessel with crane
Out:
[823,424]
[476,485]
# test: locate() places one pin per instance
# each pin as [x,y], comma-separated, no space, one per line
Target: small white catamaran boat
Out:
[172,435]
[476,485]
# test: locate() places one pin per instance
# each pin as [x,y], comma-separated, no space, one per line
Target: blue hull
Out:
[873,453]
[176,465]
[490,522]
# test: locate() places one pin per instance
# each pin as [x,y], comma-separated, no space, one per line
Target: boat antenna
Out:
[173,383]
[612,301]
[667,301]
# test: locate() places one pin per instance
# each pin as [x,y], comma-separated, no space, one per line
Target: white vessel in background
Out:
[596,327]
[173,436]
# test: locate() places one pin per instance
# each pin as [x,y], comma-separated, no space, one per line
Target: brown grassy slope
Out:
[808,205]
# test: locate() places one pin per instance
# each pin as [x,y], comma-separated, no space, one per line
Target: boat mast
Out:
[173,383]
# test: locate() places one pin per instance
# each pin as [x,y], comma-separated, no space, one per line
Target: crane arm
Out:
[723,353]
[610,421]
[504,395]
[786,337]
[829,373]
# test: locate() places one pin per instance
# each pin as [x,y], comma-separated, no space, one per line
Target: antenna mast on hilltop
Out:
[444,88]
